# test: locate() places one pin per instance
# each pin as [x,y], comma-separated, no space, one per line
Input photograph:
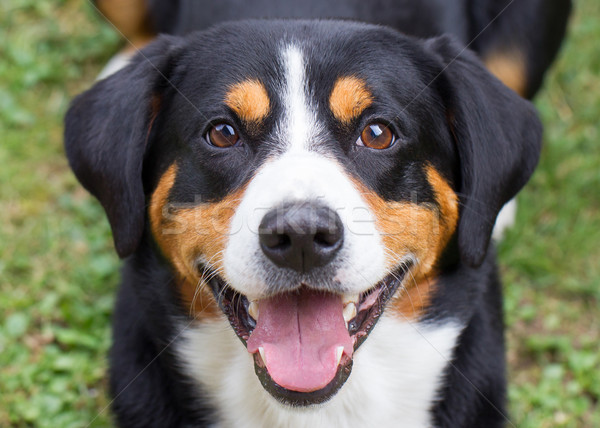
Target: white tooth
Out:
[349,298]
[339,351]
[261,351]
[349,312]
[253,310]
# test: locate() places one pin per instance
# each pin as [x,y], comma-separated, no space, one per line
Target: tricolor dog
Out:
[305,211]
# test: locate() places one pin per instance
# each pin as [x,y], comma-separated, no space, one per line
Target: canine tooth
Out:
[261,351]
[339,351]
[349,312]
[350,298]
[253,310]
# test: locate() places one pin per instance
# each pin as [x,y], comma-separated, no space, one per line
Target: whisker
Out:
[204,280]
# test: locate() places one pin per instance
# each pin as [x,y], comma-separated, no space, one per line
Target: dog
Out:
[305,210]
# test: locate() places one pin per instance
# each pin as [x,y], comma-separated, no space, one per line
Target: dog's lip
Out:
[369,307]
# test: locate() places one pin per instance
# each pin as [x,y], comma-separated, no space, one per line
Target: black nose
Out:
[301,236]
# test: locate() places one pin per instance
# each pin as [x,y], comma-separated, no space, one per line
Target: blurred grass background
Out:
[58,271]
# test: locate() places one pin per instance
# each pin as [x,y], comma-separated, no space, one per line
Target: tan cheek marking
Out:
[410,303]
[424,231]
[447,201]
[349,98]
[185,233]
[510,68]
[249,100]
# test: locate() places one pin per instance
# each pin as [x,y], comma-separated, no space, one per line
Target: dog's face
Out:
[301,179]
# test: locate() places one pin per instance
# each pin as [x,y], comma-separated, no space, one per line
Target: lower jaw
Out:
[303,399]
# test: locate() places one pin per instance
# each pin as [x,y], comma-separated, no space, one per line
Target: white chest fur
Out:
[394,380]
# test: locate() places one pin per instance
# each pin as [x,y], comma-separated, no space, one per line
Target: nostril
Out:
[326,239]
[276,241]
[271,235]
[283,241]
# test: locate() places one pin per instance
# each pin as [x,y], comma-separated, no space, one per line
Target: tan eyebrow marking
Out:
[249,100]
[349,98]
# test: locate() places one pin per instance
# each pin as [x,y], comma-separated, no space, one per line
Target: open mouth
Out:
[303,341]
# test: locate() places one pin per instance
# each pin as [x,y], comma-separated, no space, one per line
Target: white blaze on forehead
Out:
[300,171]
[299,124]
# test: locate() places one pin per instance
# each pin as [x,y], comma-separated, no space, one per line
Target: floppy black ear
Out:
[106,129]
[498,138]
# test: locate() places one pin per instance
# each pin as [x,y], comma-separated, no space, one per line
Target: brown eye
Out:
[376,136]
[223,135]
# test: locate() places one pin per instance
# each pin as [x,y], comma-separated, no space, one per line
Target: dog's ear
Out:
[498,137]
[106,132]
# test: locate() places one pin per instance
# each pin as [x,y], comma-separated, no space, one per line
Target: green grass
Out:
[551,260]
[58,271]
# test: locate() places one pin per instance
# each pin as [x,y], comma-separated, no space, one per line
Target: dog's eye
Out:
[223,135]
[376,136]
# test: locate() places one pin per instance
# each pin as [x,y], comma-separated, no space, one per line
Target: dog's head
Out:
[301,178]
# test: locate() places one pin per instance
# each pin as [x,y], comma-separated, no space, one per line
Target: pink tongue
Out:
[300,334]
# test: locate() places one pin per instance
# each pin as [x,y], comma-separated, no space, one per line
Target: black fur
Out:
[107,155]
[533,27]
[494,171]
[123,133]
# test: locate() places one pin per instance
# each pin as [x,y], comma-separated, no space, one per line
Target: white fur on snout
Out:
[302,176]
